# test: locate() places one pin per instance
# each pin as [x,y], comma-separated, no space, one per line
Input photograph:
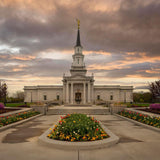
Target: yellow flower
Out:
[67,137]
[49,135]
[74,121]
[50,129]
[93,138]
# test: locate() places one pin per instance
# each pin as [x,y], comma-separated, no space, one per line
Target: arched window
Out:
[57,97]
[111,97]
[45,97]
[98,97]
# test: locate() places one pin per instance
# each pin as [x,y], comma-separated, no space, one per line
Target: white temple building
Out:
[78,88]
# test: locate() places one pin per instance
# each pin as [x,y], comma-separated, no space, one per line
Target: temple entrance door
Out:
[78,97]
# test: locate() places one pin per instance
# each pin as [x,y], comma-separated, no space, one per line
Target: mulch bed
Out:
[156,111]
[7,110]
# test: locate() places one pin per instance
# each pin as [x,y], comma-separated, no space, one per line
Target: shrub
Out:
[1,106]
[77,127]
[155,106]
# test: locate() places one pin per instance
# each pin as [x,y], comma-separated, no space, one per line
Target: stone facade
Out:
[78,88]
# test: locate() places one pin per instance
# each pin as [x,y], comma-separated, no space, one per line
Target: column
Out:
[92,93]
[38,96]
[64,92]
[67,92]
[89,93]
[71,93]
[84,92]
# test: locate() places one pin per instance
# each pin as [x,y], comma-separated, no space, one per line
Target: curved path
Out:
[136,142]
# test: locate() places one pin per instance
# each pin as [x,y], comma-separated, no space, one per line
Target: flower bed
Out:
[153,121]
[78,127]
[16,117]
[5,110]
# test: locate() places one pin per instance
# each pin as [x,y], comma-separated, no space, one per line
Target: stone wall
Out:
[116,108]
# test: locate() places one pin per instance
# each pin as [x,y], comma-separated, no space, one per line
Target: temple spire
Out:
[78,43]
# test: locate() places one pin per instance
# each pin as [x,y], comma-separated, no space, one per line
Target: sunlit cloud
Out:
[120,44]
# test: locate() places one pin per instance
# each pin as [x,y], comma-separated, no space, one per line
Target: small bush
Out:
[1,106]
[155,106]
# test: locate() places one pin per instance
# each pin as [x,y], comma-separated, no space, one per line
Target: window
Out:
[111,97]
[78,61]
[57,97]
[45,97]
[98,97]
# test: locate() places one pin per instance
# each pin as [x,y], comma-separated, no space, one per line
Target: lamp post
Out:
[31,97]
[124,96]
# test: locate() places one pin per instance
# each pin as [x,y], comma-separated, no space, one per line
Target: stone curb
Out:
[15,112]
[139,123]
[17,123]
[44,140]
[143,112]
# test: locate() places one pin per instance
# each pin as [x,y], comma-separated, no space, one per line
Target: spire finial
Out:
[78,22]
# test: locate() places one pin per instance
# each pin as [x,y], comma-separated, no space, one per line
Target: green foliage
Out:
[153,121]
[142,97]
[138,105]
[5,120]
[78,127]
[16,104]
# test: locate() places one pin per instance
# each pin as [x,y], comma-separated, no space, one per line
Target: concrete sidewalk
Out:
[136,142]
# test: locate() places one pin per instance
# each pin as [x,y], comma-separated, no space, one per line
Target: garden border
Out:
[19,110]
[18,122]
[142,124]
[143,112]
[65,145]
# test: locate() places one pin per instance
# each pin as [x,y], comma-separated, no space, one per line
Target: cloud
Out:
[120,38]
[132,27]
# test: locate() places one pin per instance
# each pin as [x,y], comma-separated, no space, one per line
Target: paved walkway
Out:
[78,107]
[136,142]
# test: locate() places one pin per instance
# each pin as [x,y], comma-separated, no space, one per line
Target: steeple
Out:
[78,43]
[78,65]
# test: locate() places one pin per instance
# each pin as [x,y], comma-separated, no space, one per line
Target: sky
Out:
[120,39]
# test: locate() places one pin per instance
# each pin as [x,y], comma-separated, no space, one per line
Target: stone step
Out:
[77,105]
[89,111]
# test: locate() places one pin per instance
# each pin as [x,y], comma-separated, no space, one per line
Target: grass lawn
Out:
[138,104]
[16,104]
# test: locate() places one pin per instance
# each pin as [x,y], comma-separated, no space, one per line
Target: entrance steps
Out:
[78,105]
[62,110]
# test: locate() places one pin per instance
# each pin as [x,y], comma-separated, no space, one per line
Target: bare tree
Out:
[3,91]
[154,88]
[19,95]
